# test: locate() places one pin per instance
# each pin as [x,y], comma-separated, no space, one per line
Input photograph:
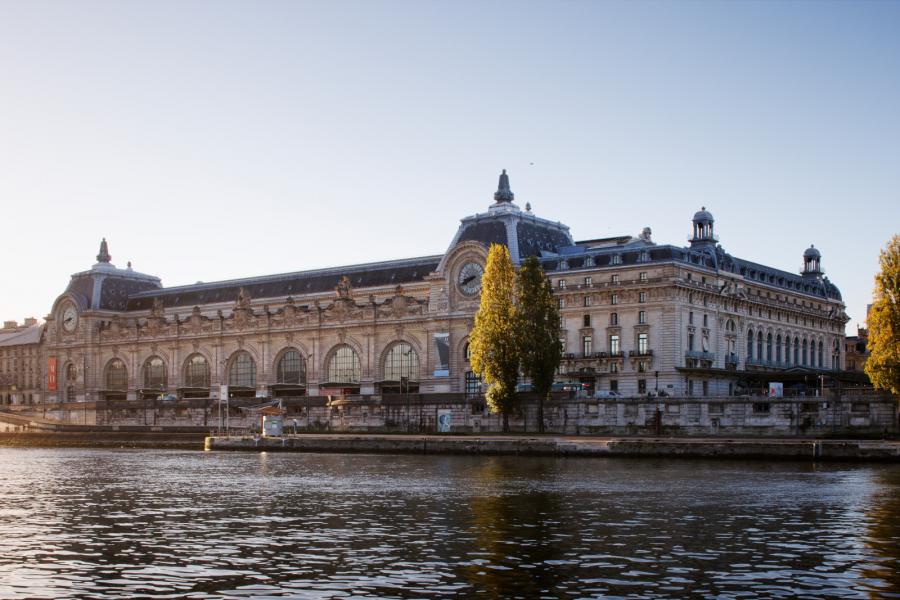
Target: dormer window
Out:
[615,259]
[589,261]
[644,256]
[562,284]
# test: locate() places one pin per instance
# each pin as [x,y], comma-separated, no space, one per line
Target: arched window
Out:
[821,355]
[769,347]
[805,353]
[116,375]
[613,318]
[71,372]
[401,361]
[467,352]
[759,345]
[243,371]
[155,374]
[796,351]
[749,344]
[787,349]
[343,366]
[196,372]
[291,368]
[778,348]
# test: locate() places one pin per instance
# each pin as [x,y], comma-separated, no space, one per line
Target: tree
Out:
[883,364]
[495,351]
[537,330]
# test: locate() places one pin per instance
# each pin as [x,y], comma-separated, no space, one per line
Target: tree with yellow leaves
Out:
[883,364]
[493,342]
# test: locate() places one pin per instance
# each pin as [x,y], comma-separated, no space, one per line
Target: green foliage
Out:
[495,351]
[537,328]
[883,364]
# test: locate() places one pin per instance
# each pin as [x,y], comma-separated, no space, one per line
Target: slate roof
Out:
[30,335]
[398,272]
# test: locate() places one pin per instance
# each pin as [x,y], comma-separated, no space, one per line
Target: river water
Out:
[170,524]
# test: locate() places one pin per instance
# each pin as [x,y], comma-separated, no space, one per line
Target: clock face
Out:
[469,279]
[69,318]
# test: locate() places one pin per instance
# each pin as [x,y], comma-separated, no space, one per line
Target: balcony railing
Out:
[640,352]
[700,355]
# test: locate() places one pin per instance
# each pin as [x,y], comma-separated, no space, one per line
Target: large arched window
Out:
[759,345]
[796,351]
[291,368]
[242,373]
[778,348]
[71,373]
[749,344]
[116,375]
[155,374]
[769,347]
[805,353]
[343,366]
[821,355]
[196,372]
[401,361]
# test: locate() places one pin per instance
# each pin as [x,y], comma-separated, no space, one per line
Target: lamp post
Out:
[404,382]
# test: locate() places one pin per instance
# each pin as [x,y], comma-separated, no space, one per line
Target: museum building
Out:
[637,317]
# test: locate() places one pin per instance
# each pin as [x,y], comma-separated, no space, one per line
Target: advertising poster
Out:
[776,389]
[444,419]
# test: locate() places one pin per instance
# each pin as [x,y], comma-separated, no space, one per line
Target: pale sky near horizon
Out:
[216,140]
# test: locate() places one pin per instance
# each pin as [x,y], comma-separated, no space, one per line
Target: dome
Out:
[703,215]
[811,252]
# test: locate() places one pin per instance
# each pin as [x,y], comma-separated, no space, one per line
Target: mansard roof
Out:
[388,273]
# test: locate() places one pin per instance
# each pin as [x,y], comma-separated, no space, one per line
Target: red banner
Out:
[51,374]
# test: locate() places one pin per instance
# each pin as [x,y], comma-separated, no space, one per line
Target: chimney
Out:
[30,321]
[10,324]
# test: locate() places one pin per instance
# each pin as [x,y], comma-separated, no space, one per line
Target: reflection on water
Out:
[118,524]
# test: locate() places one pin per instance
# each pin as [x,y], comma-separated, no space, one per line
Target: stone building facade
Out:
[637,318]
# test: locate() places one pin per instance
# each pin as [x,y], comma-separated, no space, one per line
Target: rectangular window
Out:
[706,320]
[690,387]
[615,259]
[642,367]
[562,302]
[642,297]
[691,317]
[614,344]
[614,318]
[613,367]
[586,346]
[562,345]
[587,300]
[643,276]
[706,388]
[643,343]
[642,386]
[614,279]
[587,320]
[562,284]
[691,342]
[642,317]
[588,281]
[614,385]
[645,256]
[614,299]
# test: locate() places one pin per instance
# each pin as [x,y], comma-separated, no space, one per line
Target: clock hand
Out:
[468,279]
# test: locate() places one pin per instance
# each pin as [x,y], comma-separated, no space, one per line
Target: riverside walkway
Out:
[780,448]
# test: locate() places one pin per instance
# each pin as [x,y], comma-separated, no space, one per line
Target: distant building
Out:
[637,317]
[857,351]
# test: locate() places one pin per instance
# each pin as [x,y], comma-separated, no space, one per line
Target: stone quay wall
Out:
[860,413]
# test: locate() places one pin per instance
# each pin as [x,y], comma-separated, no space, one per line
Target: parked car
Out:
[607,394]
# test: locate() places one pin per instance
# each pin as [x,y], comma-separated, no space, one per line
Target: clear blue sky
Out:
[213,140]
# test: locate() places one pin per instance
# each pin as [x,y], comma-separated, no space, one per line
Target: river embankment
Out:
[781,448]
[103,439]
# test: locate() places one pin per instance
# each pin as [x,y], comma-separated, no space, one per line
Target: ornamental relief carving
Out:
[401,305]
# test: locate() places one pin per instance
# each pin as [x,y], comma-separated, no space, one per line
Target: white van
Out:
[607,394]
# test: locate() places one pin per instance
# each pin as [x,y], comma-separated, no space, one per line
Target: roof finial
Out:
[504,194]
[104,256]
